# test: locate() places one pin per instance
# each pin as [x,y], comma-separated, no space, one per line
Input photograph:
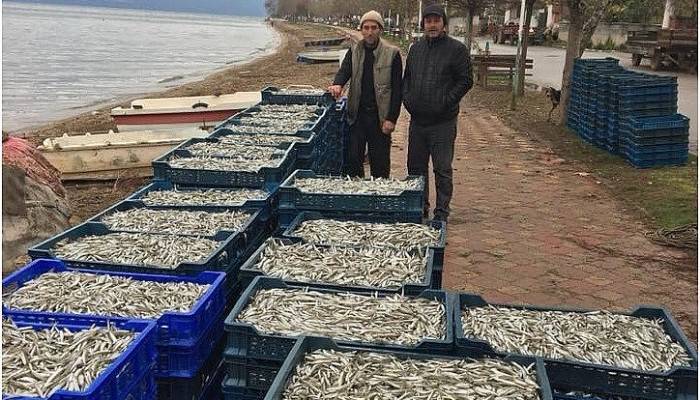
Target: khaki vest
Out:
[383,58]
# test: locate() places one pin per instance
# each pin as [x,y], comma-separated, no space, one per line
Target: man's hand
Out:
[388,127]
[336,90]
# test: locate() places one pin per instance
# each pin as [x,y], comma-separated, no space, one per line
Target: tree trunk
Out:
[669,12]
[529,5]
[468,26]
[573,49]
[590,25]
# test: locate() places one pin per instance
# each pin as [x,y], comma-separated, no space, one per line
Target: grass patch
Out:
[661,197]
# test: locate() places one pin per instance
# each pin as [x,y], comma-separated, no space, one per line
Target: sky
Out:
[232,7]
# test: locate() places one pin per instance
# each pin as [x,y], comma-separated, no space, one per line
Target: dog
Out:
[554,96]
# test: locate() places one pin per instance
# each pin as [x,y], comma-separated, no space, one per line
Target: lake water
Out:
[59,61]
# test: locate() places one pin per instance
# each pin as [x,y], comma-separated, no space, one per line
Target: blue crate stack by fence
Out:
[609,104]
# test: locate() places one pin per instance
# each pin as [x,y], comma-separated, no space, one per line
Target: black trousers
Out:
[436,142]
[366,133]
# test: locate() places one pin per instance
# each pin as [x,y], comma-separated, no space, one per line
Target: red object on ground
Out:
[21,154]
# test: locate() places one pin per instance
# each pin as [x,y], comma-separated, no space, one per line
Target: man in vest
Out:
[438,74]
[373,68]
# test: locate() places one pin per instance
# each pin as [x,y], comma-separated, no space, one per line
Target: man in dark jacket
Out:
[373,68]
[437,75]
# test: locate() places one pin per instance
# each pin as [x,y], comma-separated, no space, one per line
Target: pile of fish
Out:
[223,164]
[393,319]
[353,233]
[233,151]
[203,197]
[260,140]
[159,251]
[176,222]
[288,108]
[304,114]
[597,337]
[378,186]
[267,119]
[302,91]
[362,266]
[328,374]
[37,363]
[255,129]
[84,293]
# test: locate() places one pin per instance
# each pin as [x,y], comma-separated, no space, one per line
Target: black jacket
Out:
[438,74]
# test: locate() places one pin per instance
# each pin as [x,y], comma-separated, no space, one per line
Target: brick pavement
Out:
[526,228]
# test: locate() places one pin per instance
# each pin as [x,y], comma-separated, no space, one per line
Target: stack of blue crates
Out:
[621,111]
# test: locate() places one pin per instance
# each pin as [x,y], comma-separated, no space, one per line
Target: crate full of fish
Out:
[271,314]
[279,119]
[248,169]
[296,95]
[182,306]
[352,268]
[307,191]
[304,142]
[640,354]
[319,368]
[67,358]
[200,385]
[167,194]
[134,217]
[371,230]
[94,246]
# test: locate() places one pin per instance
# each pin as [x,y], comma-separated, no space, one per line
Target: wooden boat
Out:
[112,155]
[325,42]
[200,112]
[321,56]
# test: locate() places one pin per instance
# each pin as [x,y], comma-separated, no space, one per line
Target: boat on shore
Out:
[321,56]
[178,113]
[112,155]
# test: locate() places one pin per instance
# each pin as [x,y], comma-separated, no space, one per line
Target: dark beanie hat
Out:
[433,9]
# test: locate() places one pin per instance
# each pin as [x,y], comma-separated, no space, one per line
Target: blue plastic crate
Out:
[670,162]
[247,342]
[650,88]
[593,377]
[310,344]
[439,247]
[644,99]
[255,222]
[432,279]
[120,377]
[231,389]
[267,178]
[229,252]
[265,204]
[316,125]
[636,155]
[172,328]
[197,386]
[635,148]
[292,198]
[657,140]
[145,389]
[656,123]
[212,390]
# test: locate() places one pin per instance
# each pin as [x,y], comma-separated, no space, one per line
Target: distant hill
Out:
[229,7]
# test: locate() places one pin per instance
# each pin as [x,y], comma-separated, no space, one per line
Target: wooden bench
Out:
[494,65]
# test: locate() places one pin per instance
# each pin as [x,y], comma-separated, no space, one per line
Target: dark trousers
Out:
[436,142]
[367,133]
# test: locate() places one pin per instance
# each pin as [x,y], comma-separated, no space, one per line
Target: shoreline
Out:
[227,79]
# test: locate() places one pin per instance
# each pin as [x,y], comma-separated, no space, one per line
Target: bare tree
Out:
[470,8]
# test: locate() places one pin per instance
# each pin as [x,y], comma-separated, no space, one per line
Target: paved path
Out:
[526,229]
[549,67]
